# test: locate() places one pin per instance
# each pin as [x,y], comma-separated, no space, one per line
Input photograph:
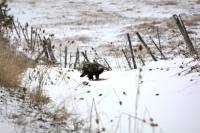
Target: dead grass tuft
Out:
[38,97]
[193,20]
[12,64]
[198,2]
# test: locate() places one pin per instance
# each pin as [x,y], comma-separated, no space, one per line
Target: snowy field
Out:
[154,98]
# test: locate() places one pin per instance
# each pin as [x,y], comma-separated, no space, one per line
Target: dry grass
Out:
[192,20]
[38,97]
[163,3]
[11,66]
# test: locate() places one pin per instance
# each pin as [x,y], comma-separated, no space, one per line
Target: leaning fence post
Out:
[141,60]
[70,58]
[159,39]
[107,64]
[23,33]
[16,29]
[146,46]
[157,48]
[126,59]
[50,51]
[31,36]
[130,45]
[65,56]
[33,48]
[76,59]
[85,56]
[183,31]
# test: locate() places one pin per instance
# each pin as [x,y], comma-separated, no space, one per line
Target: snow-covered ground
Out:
[128,101]
[170,100]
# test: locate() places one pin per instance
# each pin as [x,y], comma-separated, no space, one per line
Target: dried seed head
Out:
[26,24]
[100,94]
[144,120]
[120,102]
[148,48]
[103,129]
[140,47]
[151,119]
[140,69]
[181,67]
[88,91]
[81,98]
[135,50]
[24,89]
[150,69]
[124,93]
[85,83]
[154,125]
[97,121]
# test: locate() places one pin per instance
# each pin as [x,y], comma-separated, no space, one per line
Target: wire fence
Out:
[155,39]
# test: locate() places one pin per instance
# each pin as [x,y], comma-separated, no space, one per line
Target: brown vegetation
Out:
[12,64]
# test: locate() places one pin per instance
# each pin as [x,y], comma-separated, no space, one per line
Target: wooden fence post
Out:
[184,33]
[16,30]
[76,59]
[130,45]
[53,59]
[157,48]
[146,46]
[33,48]
[107,64]
[31,37]
[23,33]
[141,60]
[70,58]
[85,56]
[65,56]
[129,64]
